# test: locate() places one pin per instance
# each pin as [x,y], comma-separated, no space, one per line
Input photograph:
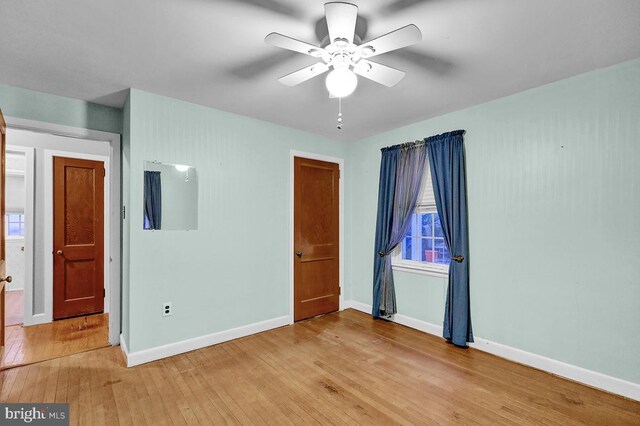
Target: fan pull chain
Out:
[339,114]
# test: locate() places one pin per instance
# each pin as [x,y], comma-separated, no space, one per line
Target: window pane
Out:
[14,218]
[443,254]
[427,244]
[437,227]
[412,249]
[427,224]
[408,234]
[406,248]
[14,229]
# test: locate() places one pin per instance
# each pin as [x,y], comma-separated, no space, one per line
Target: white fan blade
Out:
[304,74]
[379,73]
[397,39]
[341,20]
[285,42]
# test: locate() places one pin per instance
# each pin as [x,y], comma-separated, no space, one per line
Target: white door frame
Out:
[112,208]
[340,162]
[29,186]
[49,154]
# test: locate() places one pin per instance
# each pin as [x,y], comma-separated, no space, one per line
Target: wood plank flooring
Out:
[25,345]
[14,305]
[343,368]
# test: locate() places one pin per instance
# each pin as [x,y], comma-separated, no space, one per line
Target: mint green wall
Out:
[31,105]
[553,183]
[234,270]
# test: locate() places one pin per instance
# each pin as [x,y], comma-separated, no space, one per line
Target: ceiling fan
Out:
[344,54]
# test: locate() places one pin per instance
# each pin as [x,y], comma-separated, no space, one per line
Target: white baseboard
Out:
[171,349]
[123,348]
[588,377]
[34,320]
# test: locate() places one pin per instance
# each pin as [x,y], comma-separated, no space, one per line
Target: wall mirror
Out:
[170,197]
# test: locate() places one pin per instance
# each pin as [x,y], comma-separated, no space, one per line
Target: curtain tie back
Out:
[458,259]
[382,254]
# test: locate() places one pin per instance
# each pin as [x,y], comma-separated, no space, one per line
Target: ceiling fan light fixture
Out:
[341,82]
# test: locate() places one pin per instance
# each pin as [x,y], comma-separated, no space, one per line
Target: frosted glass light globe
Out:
[341,82]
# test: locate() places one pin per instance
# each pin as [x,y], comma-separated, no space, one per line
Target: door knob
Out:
[59,252]
[8,279]
[299,253]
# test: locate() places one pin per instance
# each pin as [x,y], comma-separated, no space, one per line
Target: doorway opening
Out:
[90,284]
[18,229]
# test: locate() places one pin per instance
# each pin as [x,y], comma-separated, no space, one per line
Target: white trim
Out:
[28,317]
[171,349]
[37,319]
[48,225]
[61,130]
[572,372]
[123,348]
[13,237]
[589,377]
[115,210]
[358,306]
[420,268]
[340,162]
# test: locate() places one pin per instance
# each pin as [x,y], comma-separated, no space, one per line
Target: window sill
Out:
[421,269]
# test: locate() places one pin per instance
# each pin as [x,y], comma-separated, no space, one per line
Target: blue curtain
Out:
[446,158]
[152,200]
[401,172]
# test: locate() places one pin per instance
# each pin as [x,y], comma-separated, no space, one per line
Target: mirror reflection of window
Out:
[170,197]
[152,200]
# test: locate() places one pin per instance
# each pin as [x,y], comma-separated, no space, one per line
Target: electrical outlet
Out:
[166,309]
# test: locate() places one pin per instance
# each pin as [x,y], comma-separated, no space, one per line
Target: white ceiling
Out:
[211,52]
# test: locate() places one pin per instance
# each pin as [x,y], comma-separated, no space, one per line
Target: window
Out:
[423,248]
[14,225]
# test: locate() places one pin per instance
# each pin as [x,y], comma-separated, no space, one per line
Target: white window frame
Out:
[6,225]
[414,266]
[426,204]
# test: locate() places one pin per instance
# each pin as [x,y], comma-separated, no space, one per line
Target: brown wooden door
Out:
[3,266]
[316,238]
[78,237]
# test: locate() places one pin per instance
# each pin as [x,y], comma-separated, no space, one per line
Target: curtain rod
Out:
[405,145]
[418,142]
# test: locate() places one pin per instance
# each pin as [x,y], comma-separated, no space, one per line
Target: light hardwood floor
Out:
[25,345]
[343,368]
[14,304]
